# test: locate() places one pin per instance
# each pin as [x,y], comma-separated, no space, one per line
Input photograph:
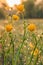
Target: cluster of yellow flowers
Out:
[14,17]
[20,8]
[31,27]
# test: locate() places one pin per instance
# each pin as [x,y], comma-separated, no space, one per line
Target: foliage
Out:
[32,10]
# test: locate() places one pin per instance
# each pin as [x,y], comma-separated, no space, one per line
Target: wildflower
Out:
[31,45]
[15,17]
[20,7]
[35,52]
[31,27]
[9,27]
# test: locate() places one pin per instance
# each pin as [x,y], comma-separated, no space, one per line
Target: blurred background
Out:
[33,8]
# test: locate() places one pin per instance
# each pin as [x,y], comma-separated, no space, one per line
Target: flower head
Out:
[9,27]
[36,52]
[15,17]
[20,7]
[31,27]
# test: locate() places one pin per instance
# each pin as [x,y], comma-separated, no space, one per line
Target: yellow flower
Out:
[36,52]
[31,45]
[20,7]
[31,27]
[9,27]
[15,17]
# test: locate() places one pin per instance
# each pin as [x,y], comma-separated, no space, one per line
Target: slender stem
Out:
[36,60]
[4,59]
[24,38]
[12,43]
[13,54]
[34,49]
[18,53]
[3,56]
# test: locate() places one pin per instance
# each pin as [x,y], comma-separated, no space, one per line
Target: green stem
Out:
[12,43]
[3,56]
[18,53]
[4,59]
[13,54]
[36,60]
[19,49]
[34,49]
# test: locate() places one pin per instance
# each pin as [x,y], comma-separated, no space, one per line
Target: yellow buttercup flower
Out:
[31,27]
[36,52]
[20,7]
[15,17]
[9,27]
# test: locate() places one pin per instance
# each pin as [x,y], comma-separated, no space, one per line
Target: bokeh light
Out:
[11,3]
